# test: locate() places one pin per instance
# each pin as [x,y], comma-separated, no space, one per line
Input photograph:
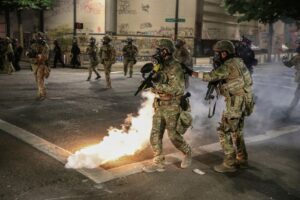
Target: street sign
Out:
[173,20]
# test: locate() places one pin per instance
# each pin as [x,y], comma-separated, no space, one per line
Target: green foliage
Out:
[26,4]
[264,11]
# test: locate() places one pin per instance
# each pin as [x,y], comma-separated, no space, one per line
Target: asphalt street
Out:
[78,113]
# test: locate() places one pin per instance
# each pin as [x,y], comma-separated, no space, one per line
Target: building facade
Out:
[199,21]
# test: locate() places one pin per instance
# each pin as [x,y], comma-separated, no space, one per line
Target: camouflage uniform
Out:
[92,51]
[182,55]
[130,52]
[236,87]
[8,57]
[2,42]
[108,57]
[167,109]
[295,61]
[40,68]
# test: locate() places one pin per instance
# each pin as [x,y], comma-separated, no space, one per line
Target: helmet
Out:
[107,39]
[129,40]
[179,43]
[166,43]
[40,36]
[246,40]
[8,40]
[224,45]
[93,40]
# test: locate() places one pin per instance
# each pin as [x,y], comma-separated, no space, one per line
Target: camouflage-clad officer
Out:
[92,51]
[108,57]
[183,56]
[294,61]
[236,86]
[130,52]
[8,56]
[167,108]
[1,53]
[40,53]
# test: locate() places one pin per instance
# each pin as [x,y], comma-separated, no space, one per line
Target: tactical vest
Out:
[107,53]
[239,83]
[130,52]
[233,84]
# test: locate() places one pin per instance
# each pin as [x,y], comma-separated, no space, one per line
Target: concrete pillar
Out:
[198,48]
[7,23]
[111,16]
[74,17]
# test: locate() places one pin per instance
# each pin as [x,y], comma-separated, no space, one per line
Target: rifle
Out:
[213,86]
[152,69]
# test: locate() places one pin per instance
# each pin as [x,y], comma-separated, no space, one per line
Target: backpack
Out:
[249,96]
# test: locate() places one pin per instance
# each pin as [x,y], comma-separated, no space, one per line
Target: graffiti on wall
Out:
[162,31]
[92,6]
[145,7]
[145,25]
[124,7]
[145,45]
[123,28]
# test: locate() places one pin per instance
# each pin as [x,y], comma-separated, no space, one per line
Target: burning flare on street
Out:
[134,136]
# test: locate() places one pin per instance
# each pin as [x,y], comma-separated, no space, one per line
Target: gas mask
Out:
[217,60]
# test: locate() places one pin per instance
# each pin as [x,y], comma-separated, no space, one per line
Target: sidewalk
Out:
[203,62]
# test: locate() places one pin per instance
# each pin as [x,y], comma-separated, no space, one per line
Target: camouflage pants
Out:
[107,69]
[92,68]
[8,67]
[128,64]
[230,131]
[295,99]
[166,117]
[40,80]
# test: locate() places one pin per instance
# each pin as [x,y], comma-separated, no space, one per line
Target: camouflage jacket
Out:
[92,51]
[234,76]
[130,52]
[182,55]
[41,49]
[172,82]
[295,61]
[107,53]
[9,53]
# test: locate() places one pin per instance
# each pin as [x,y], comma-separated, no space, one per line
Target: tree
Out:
[26,4]
[19,5]
[264,11]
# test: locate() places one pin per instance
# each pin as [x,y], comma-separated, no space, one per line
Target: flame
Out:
[134,136]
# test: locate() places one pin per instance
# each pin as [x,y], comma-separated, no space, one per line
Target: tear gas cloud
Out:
[273,88]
